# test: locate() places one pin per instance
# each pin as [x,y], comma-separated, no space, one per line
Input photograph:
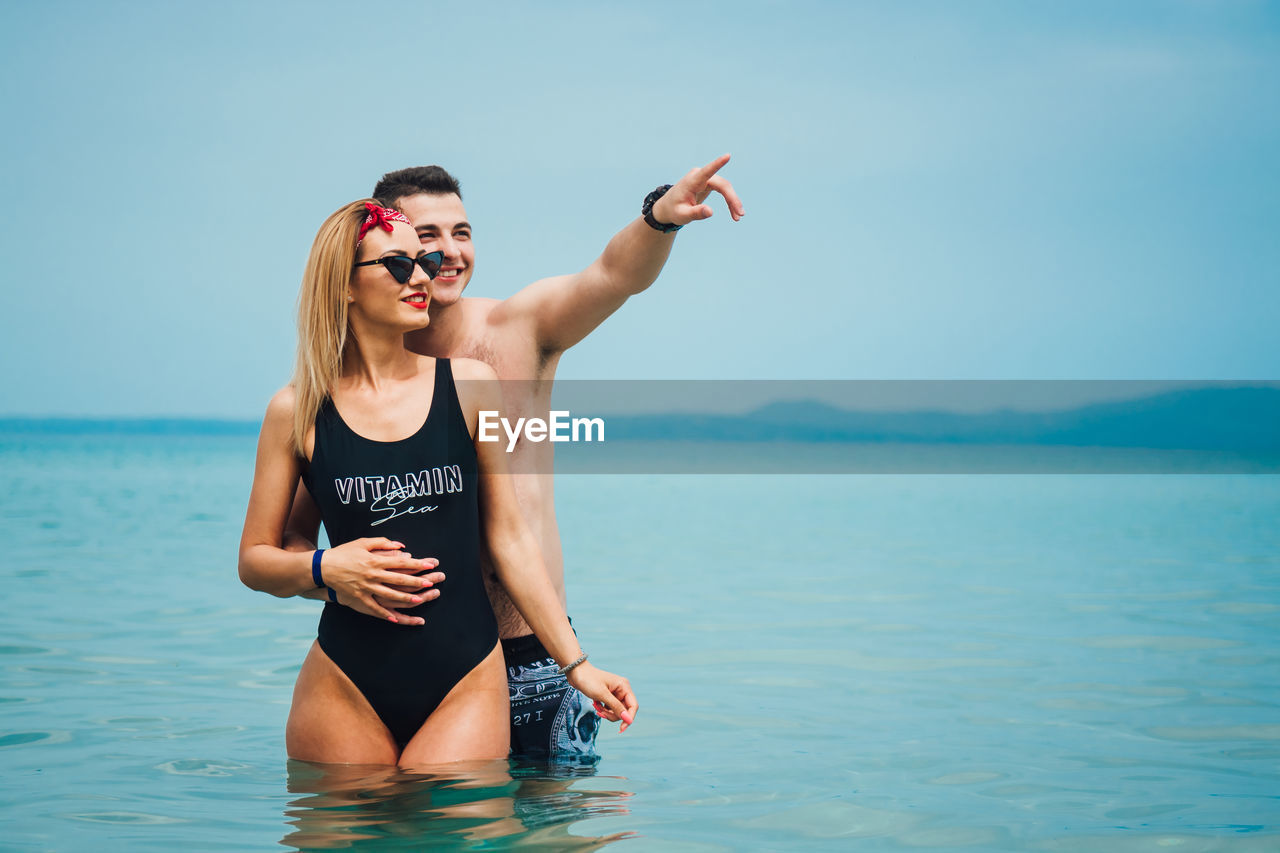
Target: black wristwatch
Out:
[646,210]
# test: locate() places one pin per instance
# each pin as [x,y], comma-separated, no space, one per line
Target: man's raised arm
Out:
[563,310]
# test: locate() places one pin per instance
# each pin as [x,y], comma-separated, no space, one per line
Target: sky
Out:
[934,190]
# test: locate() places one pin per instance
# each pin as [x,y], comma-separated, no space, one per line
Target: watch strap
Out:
[646,210]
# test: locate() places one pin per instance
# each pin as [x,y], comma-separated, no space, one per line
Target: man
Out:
[522,338]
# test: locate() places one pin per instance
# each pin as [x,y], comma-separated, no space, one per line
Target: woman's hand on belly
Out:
[375,576]
[413,587]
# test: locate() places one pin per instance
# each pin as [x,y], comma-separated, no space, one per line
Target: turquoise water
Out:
[891,662]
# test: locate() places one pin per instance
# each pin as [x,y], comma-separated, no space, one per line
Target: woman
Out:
[384,441]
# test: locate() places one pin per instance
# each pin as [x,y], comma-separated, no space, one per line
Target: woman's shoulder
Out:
[282,404]
[470,368]
[278,423]
[474,392]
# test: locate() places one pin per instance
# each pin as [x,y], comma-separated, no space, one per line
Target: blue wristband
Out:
[318,578]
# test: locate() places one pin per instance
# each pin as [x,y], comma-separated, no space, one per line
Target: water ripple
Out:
[16,739]
[1215,733]
[200,767]
[125,817]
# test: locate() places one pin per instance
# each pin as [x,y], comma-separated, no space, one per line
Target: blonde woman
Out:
[384,441]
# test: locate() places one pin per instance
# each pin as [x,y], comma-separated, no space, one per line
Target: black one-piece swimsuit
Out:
[420,491]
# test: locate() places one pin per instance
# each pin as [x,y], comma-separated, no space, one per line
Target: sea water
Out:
[888,662]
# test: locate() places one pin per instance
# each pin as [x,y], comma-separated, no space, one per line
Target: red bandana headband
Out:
[382,217]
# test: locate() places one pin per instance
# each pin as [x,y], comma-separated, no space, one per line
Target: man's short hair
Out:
[428,180]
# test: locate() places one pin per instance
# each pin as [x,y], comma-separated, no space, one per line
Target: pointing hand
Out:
[683,203]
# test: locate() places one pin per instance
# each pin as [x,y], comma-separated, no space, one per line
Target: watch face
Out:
[646,210]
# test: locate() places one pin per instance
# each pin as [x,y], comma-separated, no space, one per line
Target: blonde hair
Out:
[323,327]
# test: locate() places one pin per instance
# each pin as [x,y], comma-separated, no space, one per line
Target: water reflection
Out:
[378,808]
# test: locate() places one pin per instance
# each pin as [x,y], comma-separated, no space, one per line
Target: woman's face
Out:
[376,297]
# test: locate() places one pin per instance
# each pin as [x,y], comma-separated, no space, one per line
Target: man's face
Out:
[441,223]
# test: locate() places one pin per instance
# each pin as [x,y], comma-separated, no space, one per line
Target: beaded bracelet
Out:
[564,670]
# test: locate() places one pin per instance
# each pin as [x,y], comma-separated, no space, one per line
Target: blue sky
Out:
[979,190]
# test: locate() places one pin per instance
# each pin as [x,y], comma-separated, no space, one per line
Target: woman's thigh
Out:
[472,723]
[330,721]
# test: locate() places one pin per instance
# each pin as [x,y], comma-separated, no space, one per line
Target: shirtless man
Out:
[522,338]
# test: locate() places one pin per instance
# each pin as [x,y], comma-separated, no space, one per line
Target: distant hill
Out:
[1233,418]
[127,426]
[1240,418]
